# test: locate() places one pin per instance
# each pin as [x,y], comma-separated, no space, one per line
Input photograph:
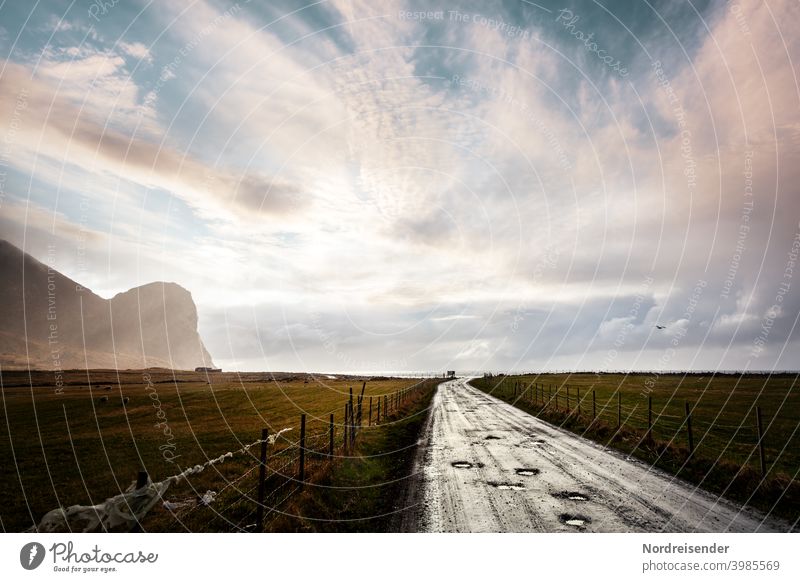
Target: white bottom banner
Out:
[349,557]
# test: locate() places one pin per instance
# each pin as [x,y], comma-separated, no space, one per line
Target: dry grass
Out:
[65,447]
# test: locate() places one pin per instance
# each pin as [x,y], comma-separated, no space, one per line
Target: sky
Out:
[408,186]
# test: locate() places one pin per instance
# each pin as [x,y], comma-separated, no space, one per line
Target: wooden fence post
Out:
[689,427]
[594,405]
[302,448]
[330,444]
[352,426]
[619,410]
[579,400]
[379,411]
[568,408]
[370,411]
[262,476]
[761,442]
[649,418]
[141,479]
[344,428]
[360,406]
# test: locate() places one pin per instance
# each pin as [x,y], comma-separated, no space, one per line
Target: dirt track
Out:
[486,466]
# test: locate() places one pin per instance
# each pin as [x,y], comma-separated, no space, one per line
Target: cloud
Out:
[444,190]
[53,127]
[136,50]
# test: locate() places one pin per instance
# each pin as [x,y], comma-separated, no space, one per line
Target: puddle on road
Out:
[578,521]
[461,465]
[574,495]
[525,472]
[507,486]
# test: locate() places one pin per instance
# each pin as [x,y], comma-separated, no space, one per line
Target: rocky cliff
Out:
[48,321]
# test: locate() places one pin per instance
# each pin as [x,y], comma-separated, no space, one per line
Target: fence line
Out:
[569,401]
[284,465]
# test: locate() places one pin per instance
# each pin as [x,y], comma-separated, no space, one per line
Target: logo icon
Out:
[31,555]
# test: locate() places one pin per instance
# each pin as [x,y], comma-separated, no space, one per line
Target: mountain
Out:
[48,321]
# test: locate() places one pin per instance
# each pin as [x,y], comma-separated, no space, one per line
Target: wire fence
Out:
[253,500]
[254,496]
[650,420]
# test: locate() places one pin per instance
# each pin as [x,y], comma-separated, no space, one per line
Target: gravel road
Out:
[485,466]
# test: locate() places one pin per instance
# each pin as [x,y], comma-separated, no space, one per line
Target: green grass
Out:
[725,459]
[363,493]
[65,447]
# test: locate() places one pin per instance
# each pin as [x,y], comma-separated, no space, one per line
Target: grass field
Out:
[64,445]
[723,407]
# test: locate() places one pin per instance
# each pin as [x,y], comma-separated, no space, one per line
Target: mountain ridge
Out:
[49,321]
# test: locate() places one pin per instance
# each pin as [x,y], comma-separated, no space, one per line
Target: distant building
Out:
[206,369]
[451,373]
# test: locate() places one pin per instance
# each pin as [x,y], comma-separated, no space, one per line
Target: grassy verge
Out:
[361,493]
[723,462]
[82,443]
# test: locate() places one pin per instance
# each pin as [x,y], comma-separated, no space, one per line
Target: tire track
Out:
[580,486]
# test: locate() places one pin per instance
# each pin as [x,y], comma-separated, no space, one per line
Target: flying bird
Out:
[661,327]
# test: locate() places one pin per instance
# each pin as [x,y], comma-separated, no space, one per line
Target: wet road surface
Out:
[485,466]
